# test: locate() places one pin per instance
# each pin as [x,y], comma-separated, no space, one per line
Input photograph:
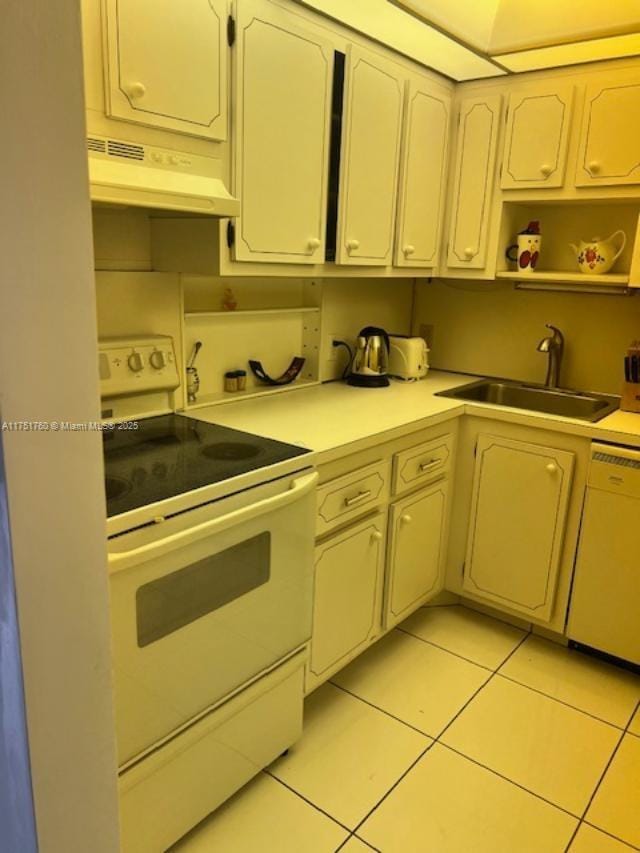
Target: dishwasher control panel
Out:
[615,469]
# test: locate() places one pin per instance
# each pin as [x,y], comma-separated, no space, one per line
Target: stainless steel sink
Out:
[536,398]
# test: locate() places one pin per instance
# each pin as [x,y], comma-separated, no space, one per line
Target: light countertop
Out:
[335,418]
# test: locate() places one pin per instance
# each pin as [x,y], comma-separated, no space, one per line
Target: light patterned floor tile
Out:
[616,805]
[447,804]
[350,754]
[264,815]
[549,748]
[414,681]
[591,840]
[464,632]
[634,726]
[593,686]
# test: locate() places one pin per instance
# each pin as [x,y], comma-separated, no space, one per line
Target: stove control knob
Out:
[135,362]
[157,359]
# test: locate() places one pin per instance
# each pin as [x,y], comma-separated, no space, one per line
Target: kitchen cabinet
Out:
[166,64]
[349,575]
[473,178]
[422,175]
[370,150]
[416,552]
[609,151]
[519,510]
[536,138]
[282,125]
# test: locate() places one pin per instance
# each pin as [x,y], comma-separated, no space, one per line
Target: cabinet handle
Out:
[352,245]
[406,519]
[594,166]
[313,244]
[546,169]
[356,499]
[469,252]
[376,536]
[409,250]
[552,467]
[431,463]
[136,90]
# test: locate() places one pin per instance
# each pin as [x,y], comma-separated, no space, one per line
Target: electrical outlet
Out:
[332,352]
[427,331]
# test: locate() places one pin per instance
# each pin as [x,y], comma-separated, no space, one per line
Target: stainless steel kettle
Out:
[371,359]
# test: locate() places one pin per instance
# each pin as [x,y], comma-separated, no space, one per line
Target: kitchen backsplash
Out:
[489,328]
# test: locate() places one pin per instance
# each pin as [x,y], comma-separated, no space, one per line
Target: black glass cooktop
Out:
[169,455]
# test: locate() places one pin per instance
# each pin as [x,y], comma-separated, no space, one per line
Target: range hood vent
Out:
[127,173]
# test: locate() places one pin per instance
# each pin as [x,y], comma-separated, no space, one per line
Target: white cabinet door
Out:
[422,175]
[347,609]
[518,517]
[282,125]
[166,64]
[371,129]
[473,175]
[536,138]
[416,552]
[609,149]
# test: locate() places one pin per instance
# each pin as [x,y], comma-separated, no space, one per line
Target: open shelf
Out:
[253,312]
[620,279]
[256,391]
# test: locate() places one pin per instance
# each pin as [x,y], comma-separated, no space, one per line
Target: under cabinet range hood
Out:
[127,173]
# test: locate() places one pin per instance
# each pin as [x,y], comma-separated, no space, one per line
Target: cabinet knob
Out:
[376,536]
[409,250]
[469,252]
[406,519]
[546,169]
[552,467]
[313,244]
[136,90]
[352,245]
[594,166]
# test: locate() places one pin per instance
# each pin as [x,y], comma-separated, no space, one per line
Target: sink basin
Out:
[536,398]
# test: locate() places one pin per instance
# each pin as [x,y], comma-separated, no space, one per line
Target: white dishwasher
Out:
[605,602]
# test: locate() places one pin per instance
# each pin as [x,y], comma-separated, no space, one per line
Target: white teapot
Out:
[597,256]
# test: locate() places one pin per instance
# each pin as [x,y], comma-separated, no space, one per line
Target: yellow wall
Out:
[489,328]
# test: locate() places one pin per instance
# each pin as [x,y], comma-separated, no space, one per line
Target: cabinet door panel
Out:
[609,151]
[372,118]
[423,174]
[518,516]
[473,181]
[416,553]
[536,138]
[349,572]
[283,91]
[166,64]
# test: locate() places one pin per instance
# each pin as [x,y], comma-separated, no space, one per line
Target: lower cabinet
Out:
[416,551]
[349,577]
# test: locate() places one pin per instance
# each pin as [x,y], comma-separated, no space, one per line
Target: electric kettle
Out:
[371,359]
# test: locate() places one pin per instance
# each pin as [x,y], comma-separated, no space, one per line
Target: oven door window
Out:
[173,601]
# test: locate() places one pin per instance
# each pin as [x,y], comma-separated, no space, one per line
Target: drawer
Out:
[347,498]
[419,465]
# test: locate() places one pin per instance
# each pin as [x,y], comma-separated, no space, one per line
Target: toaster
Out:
[408,357]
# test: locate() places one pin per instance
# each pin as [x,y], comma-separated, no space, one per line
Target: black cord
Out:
[347,368]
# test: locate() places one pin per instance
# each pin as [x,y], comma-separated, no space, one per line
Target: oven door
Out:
[206,601]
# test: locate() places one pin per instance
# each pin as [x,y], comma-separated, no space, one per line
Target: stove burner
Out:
[230,450]
[116,488]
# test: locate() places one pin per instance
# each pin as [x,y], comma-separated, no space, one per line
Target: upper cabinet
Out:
[422,175]
[371,130]
[609,149]
[166,64]
[536,138]
[282,122]
[473,178]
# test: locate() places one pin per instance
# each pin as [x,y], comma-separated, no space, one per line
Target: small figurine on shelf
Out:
[527,248]
[229,302]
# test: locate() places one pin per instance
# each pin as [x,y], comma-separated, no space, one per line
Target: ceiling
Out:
[471,39]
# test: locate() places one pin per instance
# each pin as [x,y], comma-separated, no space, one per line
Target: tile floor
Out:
[455,733]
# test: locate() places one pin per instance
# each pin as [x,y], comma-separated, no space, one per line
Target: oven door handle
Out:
[298,489]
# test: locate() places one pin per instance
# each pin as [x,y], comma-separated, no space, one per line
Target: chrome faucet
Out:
[553,345]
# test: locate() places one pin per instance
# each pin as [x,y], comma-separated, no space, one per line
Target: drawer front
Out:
[347,498]
[420,464]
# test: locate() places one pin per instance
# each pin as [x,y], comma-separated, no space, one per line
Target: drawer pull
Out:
[356,499]
[431,463]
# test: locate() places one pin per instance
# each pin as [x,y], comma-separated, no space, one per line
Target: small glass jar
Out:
[241,376]
[231,381]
